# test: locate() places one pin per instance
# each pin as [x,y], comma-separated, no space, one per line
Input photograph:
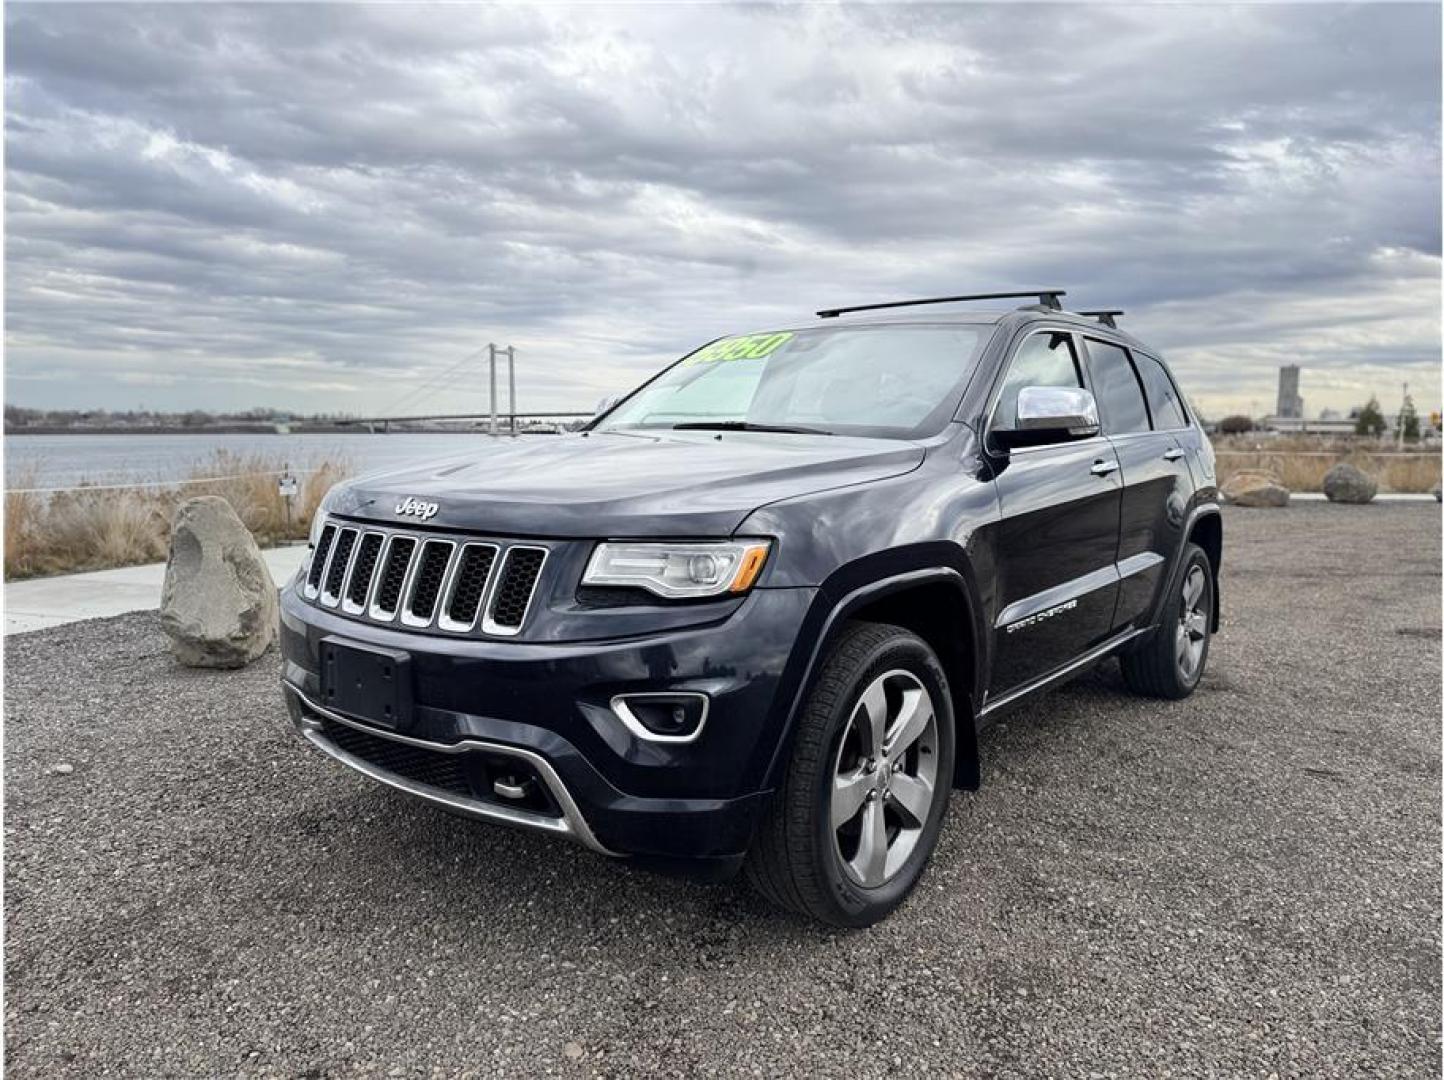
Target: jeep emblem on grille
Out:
[416,508]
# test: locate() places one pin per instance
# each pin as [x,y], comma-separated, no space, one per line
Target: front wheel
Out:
[1170,663]
[849,833]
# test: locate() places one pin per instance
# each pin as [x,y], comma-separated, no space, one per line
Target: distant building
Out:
[1291,406]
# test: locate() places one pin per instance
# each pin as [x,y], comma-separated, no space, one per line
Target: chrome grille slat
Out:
[424,580]
[361,578]
[428,579]
[338,566]
[520,571]
[319,559]
[471,574]
[400,553]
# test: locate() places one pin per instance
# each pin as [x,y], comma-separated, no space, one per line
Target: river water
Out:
[59,461]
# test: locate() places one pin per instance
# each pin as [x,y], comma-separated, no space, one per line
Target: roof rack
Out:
[1107,318]
[1048,298]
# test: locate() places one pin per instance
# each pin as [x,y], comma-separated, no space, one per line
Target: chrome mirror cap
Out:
[1064,409]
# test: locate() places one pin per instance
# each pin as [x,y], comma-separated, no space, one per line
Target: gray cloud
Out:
[319,206]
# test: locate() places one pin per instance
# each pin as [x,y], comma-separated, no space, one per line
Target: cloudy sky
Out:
[331,208]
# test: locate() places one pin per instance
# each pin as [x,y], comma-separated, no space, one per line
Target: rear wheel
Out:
[847,836]
[1171,663]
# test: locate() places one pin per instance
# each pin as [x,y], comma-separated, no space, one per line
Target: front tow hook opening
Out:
[515,788]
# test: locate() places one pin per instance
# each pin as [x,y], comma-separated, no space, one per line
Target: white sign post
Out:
[287,486]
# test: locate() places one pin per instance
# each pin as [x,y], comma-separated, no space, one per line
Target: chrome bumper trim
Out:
[571,824]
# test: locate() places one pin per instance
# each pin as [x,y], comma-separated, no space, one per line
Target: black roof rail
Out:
[1107,318]
[1048,298]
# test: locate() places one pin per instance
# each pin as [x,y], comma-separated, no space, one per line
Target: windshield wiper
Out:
[746,425]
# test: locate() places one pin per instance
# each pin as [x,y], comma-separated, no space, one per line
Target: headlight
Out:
[681,570]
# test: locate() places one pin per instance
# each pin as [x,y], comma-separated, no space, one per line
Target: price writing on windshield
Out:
[747,347]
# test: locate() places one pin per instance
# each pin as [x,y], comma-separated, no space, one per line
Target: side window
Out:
[1044,359]
[1120,398]
[1168,411]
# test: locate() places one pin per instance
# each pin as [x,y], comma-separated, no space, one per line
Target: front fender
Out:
[851,589]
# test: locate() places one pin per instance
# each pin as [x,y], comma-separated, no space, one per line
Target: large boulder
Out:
[1255,489]
[219,604]
[1346,483]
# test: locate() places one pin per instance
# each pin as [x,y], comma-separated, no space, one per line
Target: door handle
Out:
[1102,467]
[1172,454]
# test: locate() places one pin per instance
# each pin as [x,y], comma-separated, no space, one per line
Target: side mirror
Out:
[1049,414]
[606,403]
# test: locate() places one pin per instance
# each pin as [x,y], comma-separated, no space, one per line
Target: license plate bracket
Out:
[366,681]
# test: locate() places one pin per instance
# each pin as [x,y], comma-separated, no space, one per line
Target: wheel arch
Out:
[936,602]
[1206,531]
[1204,527]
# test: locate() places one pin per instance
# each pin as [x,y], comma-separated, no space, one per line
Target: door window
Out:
[1115,385]
[1163,402]
[1044,359]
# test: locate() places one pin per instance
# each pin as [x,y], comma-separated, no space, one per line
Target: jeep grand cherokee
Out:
[756,613]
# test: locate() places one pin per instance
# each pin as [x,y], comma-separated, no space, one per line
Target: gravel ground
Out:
[1243,884]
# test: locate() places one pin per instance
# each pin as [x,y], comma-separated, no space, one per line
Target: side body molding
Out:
[1032,606]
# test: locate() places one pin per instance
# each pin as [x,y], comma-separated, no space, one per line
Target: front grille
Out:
[518,580]
[318,559]
[394,577]
[472,572]
[424,581]
[430,573]
[366,556]
[420,766]
[337,573]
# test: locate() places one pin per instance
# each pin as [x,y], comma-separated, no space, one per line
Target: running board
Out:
[1071,668]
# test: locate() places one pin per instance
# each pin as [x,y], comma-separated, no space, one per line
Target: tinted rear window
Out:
[1167,409]
[1120,398]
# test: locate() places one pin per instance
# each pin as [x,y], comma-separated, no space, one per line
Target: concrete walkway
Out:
[37,603]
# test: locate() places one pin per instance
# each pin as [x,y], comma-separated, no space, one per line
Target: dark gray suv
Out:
[757,612]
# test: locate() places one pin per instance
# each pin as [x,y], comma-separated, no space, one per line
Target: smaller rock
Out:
[573,1051]
[1255,489]
[1346,483]
[63,769]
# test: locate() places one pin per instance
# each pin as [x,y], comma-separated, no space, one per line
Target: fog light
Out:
[676,718]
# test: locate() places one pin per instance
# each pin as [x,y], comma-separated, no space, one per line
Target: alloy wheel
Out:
[1192,633]
[884,778]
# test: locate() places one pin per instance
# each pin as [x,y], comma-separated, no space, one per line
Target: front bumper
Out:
[417,773]
[482,705]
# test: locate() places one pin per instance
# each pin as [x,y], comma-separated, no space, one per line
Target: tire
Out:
[835,875]
[1164,667]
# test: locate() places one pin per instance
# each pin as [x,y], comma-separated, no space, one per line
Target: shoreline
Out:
[241,429]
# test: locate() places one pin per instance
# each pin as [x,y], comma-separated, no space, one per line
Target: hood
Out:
[673,483]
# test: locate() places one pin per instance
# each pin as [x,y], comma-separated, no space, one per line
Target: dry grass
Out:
[1303,468]
[97,529]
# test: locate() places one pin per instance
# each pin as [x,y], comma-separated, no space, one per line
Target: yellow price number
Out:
[747,347]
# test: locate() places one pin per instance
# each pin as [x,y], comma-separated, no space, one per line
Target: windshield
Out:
[889,381]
